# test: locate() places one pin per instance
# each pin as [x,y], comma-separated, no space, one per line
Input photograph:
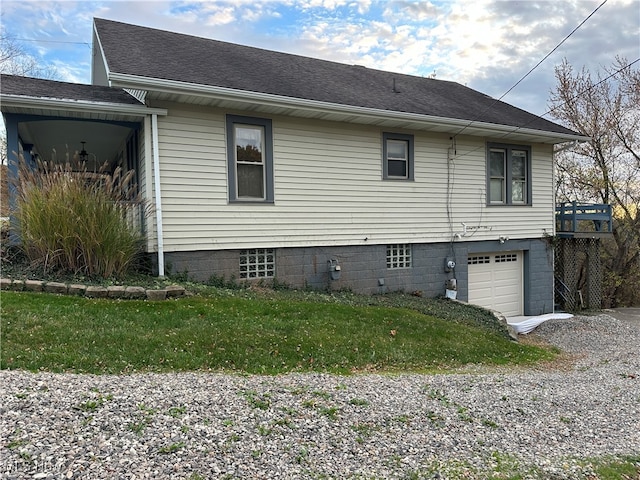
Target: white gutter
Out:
[224,93]
[24,101]
[158,196]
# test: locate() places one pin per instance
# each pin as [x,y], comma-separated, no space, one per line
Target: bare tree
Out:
[15,59]
[605,169]
[3,146]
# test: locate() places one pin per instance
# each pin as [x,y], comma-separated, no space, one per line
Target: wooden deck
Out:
[577,220]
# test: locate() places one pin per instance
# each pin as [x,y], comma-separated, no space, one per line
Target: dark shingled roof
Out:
[51,89]
[148,52]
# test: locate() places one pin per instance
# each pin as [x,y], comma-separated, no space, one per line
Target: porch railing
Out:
[133,213]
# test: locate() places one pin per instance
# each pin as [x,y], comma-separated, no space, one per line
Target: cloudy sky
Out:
[487,45]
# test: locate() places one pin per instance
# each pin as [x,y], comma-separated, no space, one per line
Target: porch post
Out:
[13,156]
[13,152]
[158,196]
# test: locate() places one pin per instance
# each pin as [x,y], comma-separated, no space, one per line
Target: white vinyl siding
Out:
[328,188]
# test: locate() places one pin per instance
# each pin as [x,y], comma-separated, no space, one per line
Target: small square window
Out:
[257,263]
[399,255]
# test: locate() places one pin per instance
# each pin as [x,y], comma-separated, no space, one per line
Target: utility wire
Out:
[591,87]
[534,67]
[51,41]
[456,156]
[580,93]
[554,49]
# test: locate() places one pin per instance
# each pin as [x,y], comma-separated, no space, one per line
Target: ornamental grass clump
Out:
[74,221]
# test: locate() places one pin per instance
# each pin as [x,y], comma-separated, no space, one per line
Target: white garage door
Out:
[495,281]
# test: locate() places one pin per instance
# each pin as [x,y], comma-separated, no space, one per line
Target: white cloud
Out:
[326,4]
[487,44]
[362,6]
[219,16]
[416,11]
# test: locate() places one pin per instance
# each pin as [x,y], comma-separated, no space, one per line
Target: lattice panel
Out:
[578,274]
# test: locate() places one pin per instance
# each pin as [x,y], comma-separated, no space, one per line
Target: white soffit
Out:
[174,91]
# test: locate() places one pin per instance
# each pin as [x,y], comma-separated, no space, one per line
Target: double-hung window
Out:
[397,156]
[250,159]
[508,174]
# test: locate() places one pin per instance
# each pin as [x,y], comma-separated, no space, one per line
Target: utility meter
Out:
[449,265]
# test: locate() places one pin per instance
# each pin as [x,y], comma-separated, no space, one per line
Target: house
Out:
[264,165]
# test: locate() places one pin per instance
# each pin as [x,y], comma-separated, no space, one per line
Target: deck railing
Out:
[577,219]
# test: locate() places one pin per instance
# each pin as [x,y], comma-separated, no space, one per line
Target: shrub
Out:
[75,221]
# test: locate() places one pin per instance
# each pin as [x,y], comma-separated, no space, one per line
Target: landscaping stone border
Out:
[93,291]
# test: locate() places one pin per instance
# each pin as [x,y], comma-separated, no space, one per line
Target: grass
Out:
[505,466]
[617,468]
[267,332]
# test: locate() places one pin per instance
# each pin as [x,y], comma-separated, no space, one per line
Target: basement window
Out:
[398,255]
[257,263]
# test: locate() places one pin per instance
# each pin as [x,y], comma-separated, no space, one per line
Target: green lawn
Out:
[238,331]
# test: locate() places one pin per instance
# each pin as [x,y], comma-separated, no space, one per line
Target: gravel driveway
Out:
[537,423]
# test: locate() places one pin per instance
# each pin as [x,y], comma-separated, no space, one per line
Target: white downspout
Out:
[158,196]
[553,228]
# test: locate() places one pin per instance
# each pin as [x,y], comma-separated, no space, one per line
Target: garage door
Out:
[495,281]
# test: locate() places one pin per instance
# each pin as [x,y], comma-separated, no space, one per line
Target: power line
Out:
[51,41]
[591,87]
[554,49]
[534,67]
[582,92]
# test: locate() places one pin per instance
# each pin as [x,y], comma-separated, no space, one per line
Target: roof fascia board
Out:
[78,105]
[185,88]
[102,58]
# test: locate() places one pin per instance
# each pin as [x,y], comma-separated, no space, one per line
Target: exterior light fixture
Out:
[83,156]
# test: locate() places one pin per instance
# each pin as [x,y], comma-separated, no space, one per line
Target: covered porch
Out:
[99,127]
[59,122]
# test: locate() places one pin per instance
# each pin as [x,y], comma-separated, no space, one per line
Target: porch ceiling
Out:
[56,127]
[59,140]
